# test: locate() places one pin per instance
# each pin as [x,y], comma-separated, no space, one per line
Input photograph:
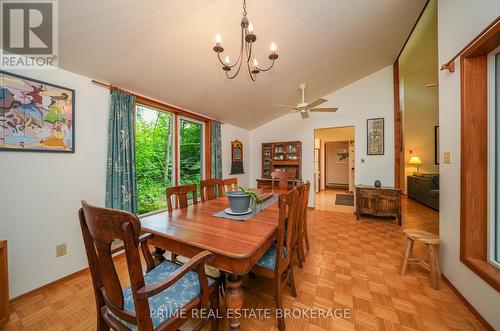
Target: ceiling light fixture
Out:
[247,39]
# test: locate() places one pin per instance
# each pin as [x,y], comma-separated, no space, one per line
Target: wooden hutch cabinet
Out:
[281,157]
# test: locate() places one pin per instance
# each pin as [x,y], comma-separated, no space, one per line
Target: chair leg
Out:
[407,255]
[302,252]
[214,305]
[292,282]
[299,258]
[306,234]
[434,272]
[436,248]
[279,305]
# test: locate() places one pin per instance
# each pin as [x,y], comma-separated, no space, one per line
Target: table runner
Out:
[248,216]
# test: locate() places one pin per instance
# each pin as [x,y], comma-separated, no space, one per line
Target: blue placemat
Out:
[248,216]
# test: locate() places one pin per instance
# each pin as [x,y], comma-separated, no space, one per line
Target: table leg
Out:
[234,299]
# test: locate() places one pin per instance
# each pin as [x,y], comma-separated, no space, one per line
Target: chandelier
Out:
[248,38]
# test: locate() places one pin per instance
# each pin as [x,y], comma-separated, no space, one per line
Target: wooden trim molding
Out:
[397,126]
[480,318]
[492,28]
[474,156]
[4,283]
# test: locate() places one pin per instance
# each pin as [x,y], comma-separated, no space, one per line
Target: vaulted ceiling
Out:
[163,48]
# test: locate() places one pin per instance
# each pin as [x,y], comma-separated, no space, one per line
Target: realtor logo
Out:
[29,34]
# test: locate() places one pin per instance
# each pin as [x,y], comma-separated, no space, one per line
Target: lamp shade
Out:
[415,160]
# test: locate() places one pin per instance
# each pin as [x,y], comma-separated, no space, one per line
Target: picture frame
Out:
[35,116]
[341,155]
[437,152]
[375,136]
[237,157]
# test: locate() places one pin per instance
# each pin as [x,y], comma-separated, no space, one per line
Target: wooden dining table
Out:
[236,245]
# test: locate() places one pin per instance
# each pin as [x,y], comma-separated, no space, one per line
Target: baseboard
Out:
[481,319]
[55,283]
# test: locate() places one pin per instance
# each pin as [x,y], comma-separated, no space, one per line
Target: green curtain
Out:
[216,149]
[121,186]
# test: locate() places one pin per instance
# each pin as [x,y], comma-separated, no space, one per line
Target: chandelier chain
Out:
[244,8]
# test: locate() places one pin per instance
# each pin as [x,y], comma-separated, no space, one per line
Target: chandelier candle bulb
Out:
[218,39]
[250,28]
[226,60]
[273,48]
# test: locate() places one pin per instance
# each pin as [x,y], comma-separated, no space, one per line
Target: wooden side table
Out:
[382,202]
[4,284]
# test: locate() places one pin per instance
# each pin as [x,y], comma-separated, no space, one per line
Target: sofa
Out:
[424,188]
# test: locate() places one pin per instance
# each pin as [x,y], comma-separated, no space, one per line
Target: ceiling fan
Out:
[305,107]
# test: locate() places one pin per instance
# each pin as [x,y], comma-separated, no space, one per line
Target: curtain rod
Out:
[181,110]
[450,65]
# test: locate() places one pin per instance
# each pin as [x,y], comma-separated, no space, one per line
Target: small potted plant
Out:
[239,201]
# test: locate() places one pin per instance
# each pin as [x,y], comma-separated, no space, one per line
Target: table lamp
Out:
[416,160]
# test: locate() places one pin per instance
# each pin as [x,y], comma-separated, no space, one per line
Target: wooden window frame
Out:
[177,113]
[474,171]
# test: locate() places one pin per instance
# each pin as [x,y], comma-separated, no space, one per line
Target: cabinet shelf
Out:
[282,156]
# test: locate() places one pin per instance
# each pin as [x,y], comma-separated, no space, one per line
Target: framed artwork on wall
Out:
[341,156]
[236,157]
[36,116]
[436,145]
[375,136]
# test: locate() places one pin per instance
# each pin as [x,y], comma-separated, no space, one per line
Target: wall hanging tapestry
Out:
[36,116]
[375,136]
[237,157]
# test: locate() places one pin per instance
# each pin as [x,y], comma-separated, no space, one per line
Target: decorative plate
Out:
[230,212]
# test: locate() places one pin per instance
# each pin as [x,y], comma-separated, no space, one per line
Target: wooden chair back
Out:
[288,217]
[230,184]
[282,177]
[100,227]
[211,189]
[181,196]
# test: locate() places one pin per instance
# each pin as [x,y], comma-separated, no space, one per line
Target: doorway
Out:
[334,168]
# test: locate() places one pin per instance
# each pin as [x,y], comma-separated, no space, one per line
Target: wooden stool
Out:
[432,242]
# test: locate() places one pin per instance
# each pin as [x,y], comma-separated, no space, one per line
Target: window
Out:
[478,155]
[190,152]
[494,152]
[154,157]
[157,133]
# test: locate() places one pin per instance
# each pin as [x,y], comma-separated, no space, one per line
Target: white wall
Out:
[459,21]
[230,133]
[369,97]
[40,193]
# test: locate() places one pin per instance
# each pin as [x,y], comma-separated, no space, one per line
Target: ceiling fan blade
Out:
[286,106]
[304,114]
[316,103]
[324,110]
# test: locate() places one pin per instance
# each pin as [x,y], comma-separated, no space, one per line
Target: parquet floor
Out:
[352,265]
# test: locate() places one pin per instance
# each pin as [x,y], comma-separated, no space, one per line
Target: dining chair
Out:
[230,184]
[276,261]
[180,193]
[181,196]
[211,189]
[302,236]
[161,299]
[282,178]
